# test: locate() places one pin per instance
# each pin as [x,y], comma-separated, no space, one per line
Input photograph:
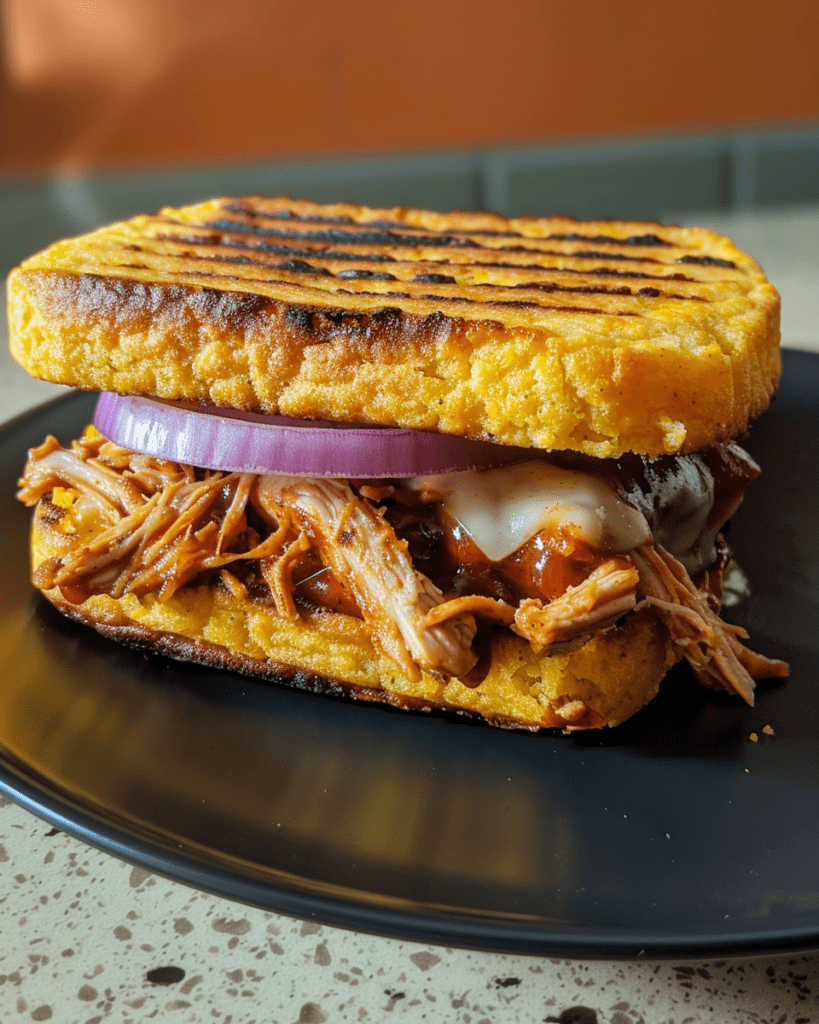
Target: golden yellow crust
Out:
[604,682]
[600,337]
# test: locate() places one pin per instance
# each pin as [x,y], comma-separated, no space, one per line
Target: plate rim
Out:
[129,842]
[100,831]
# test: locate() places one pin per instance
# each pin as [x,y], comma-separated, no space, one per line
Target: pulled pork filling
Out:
[398,555]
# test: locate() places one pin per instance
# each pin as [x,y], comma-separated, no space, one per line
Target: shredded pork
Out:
[155,526]
[710,645]
[102,485]
[603,597]
[360,546]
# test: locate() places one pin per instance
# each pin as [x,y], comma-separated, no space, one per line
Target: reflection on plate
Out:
[674,835]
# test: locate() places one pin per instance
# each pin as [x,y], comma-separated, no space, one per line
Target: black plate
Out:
[674,835]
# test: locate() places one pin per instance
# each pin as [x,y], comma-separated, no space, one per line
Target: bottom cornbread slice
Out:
[603,682]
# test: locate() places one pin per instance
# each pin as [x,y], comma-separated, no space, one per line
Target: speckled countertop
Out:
[87,938]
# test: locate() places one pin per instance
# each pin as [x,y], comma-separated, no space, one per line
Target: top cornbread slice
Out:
[601,337]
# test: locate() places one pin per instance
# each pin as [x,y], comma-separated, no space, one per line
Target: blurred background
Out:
[688,112]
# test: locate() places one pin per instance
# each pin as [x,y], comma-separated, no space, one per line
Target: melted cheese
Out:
[502,508]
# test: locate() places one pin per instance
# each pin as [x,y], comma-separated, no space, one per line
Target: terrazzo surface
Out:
[86,938]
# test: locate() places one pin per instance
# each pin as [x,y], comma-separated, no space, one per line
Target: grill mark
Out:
[509,303]
[220,242]
[644,240]
[368,238]
[324,254]
[708,261]
[484,232]
[391,238]
[301,266]
[565,309]
[350,238]
[592,255]
[551,286]
[643,293]
[278,250]
[382,222]
[516,304]
[249,281]
[251,303]
[244,261]
[641,240]
[584,254]
[648,239]
[611,272]
[370,275]
[294,266]
[435,278]
[283,215]
[329,254]
[456,239]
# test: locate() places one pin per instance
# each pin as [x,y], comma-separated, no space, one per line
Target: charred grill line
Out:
[390,238]
[220,241]
[303,267]
[279,250]
[230,251]
[648,293]
[435,278]
[369,275]
[400,234]
[648,239]
[283,214]
[591,254]
[516,304]
[708,261]
[565,309]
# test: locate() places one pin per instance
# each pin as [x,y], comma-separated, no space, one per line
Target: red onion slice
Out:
[222,439]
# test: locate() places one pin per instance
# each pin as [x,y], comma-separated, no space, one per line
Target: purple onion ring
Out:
[225,439]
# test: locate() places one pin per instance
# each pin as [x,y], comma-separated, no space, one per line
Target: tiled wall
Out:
[642,178]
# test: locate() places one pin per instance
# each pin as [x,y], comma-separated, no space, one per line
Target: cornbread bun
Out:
[602,683]
[535,589]
[600,337]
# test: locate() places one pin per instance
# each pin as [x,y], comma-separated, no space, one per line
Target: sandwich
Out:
[441,461]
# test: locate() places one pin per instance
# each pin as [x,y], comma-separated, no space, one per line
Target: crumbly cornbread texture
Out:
[601,337]
[604,682]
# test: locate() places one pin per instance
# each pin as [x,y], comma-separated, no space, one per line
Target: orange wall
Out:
[147,83]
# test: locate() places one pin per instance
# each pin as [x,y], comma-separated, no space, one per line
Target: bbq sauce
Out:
[315,583]
[543,568]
